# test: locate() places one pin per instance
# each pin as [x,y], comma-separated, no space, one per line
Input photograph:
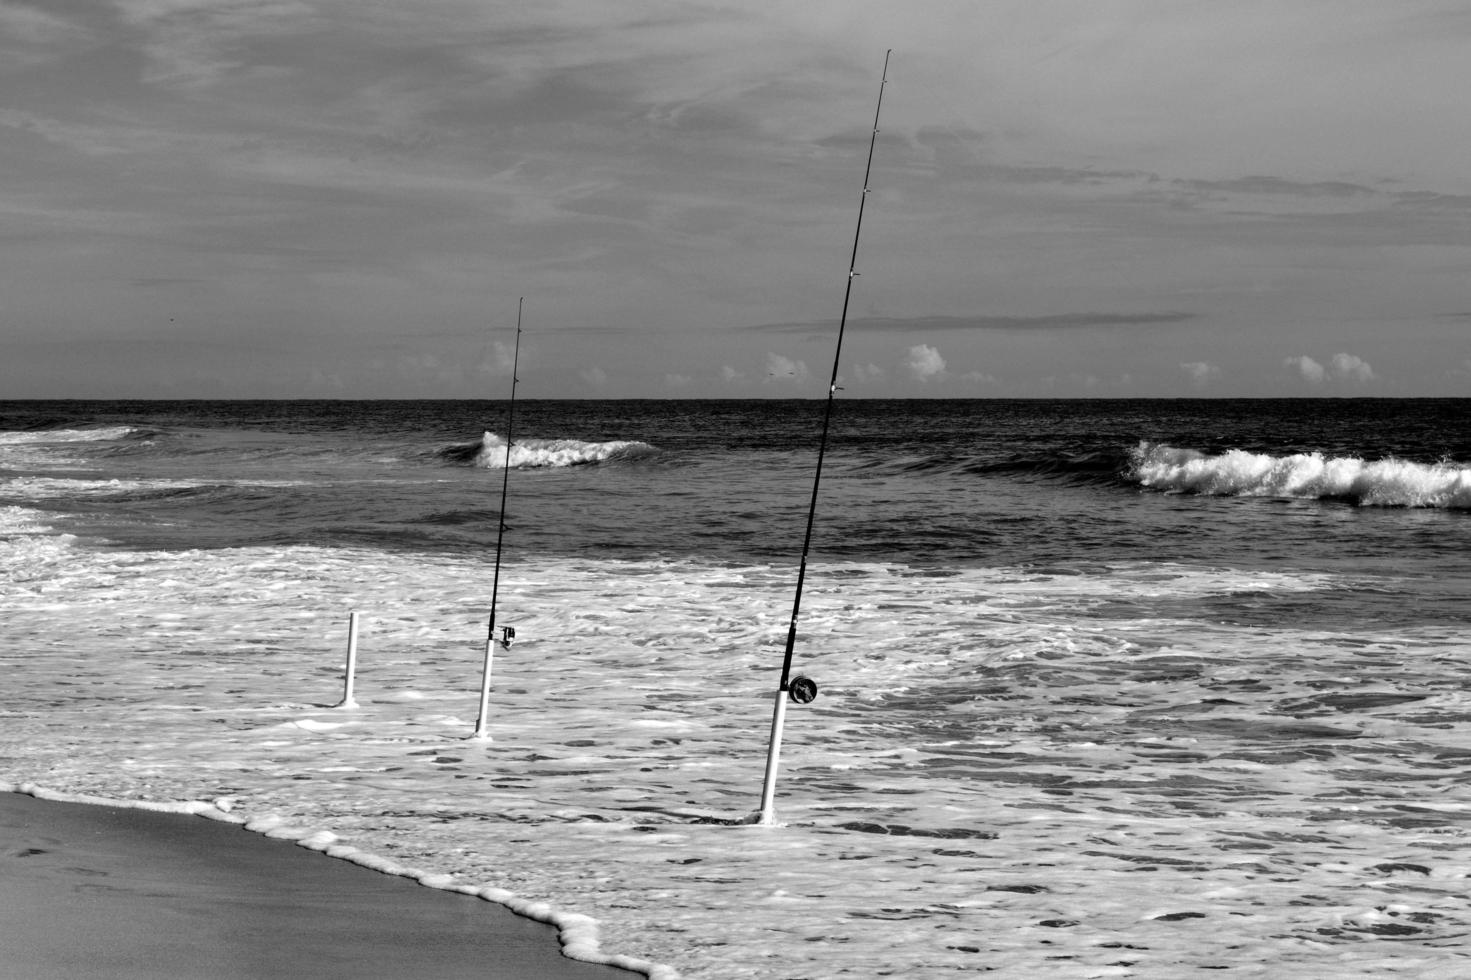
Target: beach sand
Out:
[100,891]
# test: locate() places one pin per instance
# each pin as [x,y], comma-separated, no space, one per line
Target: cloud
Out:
[502,360]
[30,36]
[1352,368]
[197,42]
[1200,372]
[1262,184]
[678,381]
[925,362]
[1311,371]
[345,169]
[1341,367]
[931,324]
[781,368]
[145,282]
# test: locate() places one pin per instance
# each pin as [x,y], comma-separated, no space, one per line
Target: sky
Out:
[1068,198]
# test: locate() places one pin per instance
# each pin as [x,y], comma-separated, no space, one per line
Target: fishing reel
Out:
[508,636]
[802,690]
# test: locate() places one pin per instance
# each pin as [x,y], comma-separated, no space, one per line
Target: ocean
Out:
[1143,688]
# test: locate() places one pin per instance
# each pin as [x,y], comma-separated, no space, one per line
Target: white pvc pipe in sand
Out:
[482,720]
[351,668]
[767,815]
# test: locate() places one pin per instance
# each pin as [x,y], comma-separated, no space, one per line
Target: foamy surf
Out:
[46,436]
[578,934]
[993,753]
[535,453]
[1307,476]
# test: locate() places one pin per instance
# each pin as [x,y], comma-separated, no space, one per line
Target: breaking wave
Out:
[43,436]
[1305,476]
[490,452]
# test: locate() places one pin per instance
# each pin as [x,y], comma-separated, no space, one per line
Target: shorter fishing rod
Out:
[508,633]
[803,690]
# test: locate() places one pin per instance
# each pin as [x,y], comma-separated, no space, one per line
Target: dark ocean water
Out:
[1177,683]
[1329,485]
[915,481]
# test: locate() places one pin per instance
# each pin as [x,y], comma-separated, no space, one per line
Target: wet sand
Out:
[97,891]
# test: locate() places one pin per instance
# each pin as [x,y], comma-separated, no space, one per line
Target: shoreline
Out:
[94,889]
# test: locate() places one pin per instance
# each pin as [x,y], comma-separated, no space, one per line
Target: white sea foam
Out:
[1386,482]
[54,488]
[63,488]
[531,453]
[1002,771]
[49,448]
[47,436]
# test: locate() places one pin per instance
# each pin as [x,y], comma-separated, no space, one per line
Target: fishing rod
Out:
[803,690]
[508,633]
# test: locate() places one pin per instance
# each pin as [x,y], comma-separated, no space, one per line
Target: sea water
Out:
[1107,689]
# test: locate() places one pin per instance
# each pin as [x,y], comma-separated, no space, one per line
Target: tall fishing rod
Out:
[508,633]
[803,690]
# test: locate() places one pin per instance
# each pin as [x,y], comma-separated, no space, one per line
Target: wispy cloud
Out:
[195,42]
[30,35]
[935,324]
[502,360]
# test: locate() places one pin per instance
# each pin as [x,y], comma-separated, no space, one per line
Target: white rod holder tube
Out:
[767,816]
[350,670]
[483,719]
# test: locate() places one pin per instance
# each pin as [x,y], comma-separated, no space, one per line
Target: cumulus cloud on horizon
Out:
[1341,367]
[1351,367]
[925,362]
[779,368]
[1200,372]
[1311,371]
